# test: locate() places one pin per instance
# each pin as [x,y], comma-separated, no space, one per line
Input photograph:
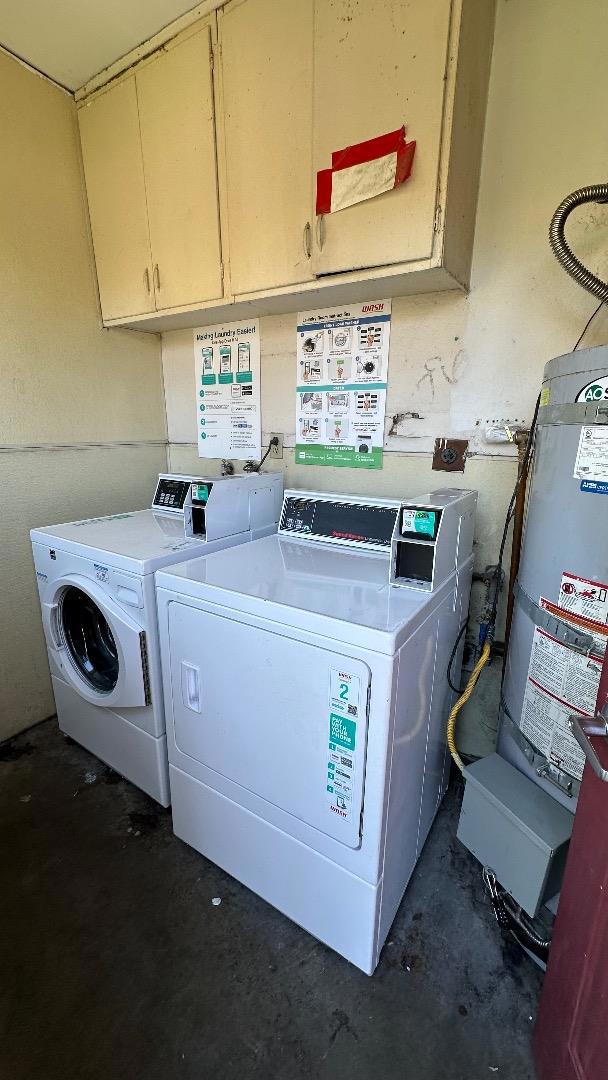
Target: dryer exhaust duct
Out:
[597,193]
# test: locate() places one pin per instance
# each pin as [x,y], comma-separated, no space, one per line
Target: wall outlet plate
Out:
[277,450]
[450,455]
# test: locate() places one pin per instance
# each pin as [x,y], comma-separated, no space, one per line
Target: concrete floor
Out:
[115,963]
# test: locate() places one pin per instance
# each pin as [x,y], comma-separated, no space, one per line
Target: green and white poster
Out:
[342,359]
[227,366]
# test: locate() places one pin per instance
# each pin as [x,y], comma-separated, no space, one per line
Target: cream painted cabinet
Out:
[267,60]
[109,133]
[149,156]
[296,80]
[378,65]
[175,94]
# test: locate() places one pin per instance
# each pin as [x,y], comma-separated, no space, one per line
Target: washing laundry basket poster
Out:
[342,371]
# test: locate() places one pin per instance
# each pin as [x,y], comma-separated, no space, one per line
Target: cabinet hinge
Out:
[222,271]
[437,221]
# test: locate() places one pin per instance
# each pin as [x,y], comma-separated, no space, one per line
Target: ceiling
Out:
[72,40]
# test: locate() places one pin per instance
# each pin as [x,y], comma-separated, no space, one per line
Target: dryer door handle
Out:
[191,686]
[51,612]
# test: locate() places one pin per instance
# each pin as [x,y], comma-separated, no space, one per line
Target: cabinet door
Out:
[111,150]
[378,65]
[175,94]
[266,50]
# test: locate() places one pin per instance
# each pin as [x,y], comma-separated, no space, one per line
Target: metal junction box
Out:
[514,827]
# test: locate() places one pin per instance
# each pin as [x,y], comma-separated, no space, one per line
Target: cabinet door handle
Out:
[147,279]
[320,231]
[157,276]
[307,239]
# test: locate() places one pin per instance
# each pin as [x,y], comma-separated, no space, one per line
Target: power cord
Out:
[523,470]
[588,324]
[498,571]
[457,689]
[250,466]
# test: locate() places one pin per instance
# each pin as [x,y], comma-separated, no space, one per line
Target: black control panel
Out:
[350,523]
[170,494]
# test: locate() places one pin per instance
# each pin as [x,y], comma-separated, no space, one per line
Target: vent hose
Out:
[597,193]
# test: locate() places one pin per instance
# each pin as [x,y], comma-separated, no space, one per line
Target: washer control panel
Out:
[171,491]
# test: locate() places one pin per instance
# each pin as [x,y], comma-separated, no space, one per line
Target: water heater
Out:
[560,618]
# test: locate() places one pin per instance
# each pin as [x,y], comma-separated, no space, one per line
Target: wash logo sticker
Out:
[594,391]
[344,704]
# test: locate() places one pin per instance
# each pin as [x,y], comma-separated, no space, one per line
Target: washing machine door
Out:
[100,649]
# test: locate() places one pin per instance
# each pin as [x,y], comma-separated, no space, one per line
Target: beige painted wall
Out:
[63,380]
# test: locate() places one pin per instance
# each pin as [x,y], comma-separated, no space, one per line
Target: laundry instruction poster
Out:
[227,363]
[342,370]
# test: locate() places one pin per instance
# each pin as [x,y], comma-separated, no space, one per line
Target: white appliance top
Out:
[306,584]
[141,541]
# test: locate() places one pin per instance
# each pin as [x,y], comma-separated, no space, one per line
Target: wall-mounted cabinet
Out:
[149,153]
[375,69]
[266,66]
[116,191]
[230,121]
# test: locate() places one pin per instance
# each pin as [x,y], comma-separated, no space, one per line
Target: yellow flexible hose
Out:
[462,700]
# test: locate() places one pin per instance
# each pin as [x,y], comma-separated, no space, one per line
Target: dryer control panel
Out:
[340,519]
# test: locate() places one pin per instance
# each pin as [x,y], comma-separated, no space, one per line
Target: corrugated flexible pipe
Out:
[462,700]
[597,193]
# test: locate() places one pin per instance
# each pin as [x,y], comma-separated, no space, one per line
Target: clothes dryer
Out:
[306,700]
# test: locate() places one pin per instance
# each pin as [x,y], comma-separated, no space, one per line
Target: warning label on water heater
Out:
[582,596]
[560,679]
[592,456]
[560,682]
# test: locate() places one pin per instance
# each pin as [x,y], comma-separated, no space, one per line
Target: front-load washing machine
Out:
[306,699]
[96,588]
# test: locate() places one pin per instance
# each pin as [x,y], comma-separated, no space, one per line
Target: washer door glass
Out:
[89,640]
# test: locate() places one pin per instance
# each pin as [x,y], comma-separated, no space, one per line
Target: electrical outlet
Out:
[450,454]
[276,451]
